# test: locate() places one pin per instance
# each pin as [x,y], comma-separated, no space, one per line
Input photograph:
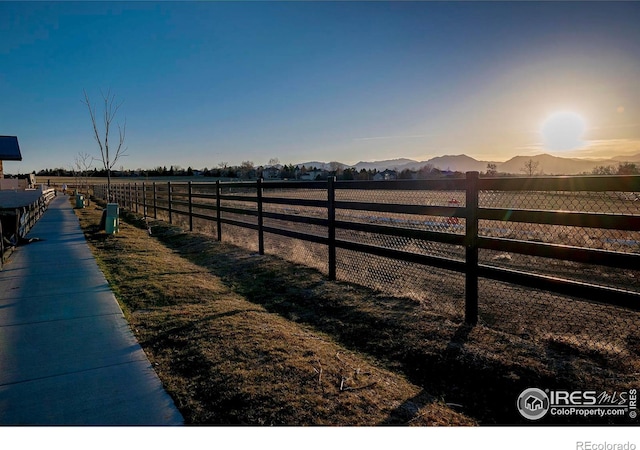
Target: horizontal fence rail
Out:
[19,221]
[463,219]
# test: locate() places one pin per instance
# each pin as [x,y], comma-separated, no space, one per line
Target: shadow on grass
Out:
[451,361]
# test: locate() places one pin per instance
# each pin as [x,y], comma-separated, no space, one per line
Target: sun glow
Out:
[563,130]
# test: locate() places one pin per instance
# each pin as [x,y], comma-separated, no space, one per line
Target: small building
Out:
[271,173]
[9,151]
[386,175]
[312,175]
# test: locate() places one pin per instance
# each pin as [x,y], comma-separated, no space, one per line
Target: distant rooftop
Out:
[18,199]
[9,149]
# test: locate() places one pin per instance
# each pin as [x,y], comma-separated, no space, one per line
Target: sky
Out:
[206,83]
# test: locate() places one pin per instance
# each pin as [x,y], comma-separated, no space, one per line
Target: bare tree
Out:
[82,168]
[604,170]
[530,168]
[246,168]
[628,169]
[109,157]
[335,167]
[492,170]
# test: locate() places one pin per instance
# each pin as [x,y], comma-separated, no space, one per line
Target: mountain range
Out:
[546,164]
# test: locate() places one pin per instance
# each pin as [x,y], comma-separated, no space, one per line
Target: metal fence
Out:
[551,258]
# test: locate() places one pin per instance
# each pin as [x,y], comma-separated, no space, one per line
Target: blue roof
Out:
[9,149]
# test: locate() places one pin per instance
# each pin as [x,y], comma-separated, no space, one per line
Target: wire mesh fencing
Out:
[571,329]
[558,260]
[296,211]
[388,211]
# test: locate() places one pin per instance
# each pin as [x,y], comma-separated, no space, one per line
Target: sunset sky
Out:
[210,82]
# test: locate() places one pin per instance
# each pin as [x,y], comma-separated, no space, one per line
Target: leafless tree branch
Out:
[110,111]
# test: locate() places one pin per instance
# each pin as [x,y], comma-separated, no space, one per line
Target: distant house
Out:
[271,173]
[9,151]
[386,175]
[312,175]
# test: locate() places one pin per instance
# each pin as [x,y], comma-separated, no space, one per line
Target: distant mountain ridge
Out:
[629,159]
[546,164]
[392,164]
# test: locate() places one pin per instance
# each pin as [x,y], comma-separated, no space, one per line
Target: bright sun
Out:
[563,131]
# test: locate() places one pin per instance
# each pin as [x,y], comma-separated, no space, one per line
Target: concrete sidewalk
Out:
[67,355]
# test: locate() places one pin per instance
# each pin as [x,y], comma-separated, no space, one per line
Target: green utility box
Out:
[79,200]
[112,222]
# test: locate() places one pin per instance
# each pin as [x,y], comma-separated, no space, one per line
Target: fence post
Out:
[471,244]
[1,247]
[189,196]
[137,199]
[260,218]
[331,215]
[18,226]
[155,203]
[144,200]
[218,214]
[169,201]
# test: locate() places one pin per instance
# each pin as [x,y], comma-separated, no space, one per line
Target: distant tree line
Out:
[248,171]
[622,169]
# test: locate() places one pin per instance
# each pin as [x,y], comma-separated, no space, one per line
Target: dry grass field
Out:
[228,358]
[242,338]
